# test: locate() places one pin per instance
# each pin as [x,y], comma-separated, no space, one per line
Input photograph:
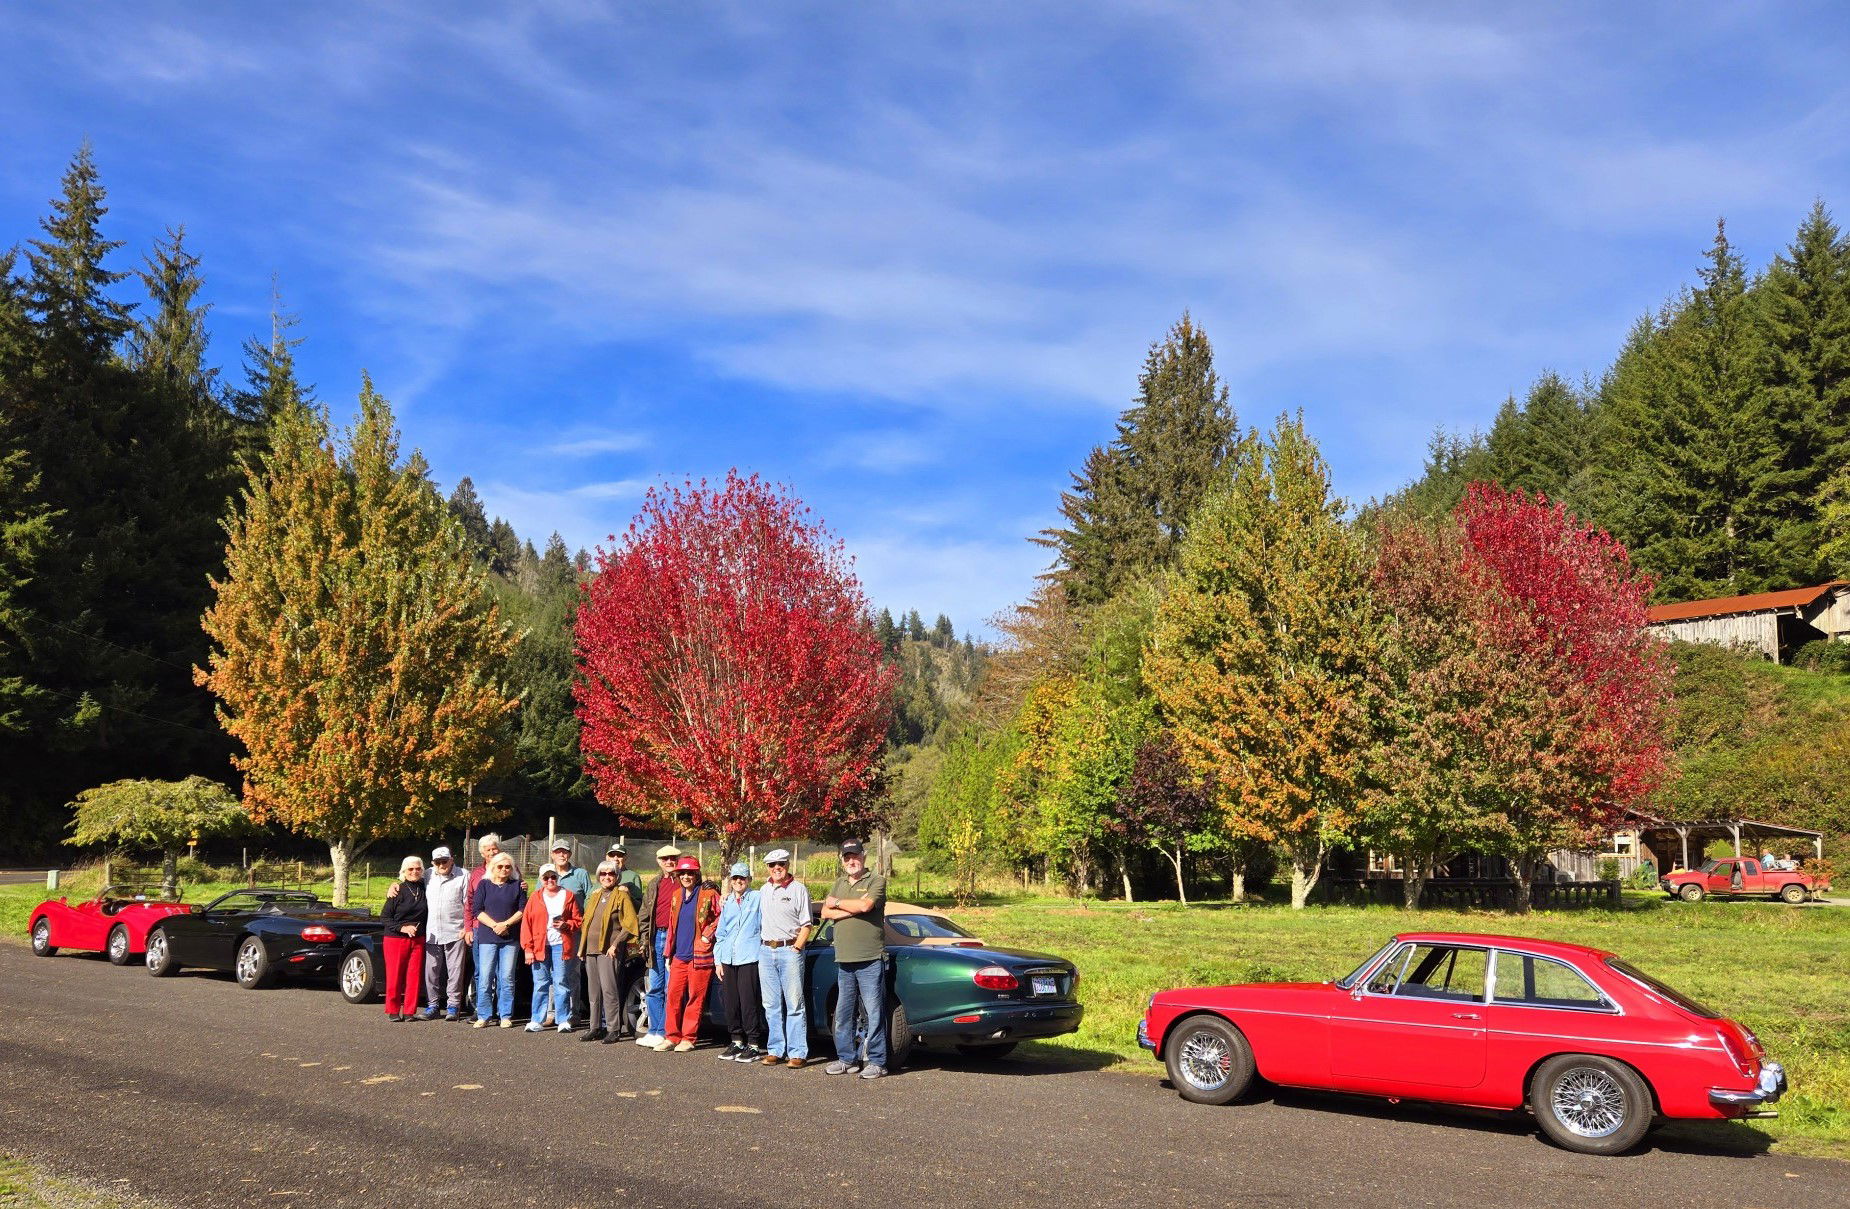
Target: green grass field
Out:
[1783,971]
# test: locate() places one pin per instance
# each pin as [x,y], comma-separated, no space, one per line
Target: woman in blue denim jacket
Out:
[735,960]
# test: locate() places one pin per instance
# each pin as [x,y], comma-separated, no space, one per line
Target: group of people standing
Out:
[687,933]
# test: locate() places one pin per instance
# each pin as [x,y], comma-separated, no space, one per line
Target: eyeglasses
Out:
[687,873]
[606,873]
[777,864]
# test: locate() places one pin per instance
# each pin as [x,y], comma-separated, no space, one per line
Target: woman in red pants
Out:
[406,913]
[693,921]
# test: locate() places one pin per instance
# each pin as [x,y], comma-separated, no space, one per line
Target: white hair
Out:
[405,866]
[607,867]
[482,844]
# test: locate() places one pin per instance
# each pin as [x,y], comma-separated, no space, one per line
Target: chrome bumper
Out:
[1143,1035]
[1772,1086]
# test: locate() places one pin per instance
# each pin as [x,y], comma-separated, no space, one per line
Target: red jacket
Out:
[533,926]
[706,924]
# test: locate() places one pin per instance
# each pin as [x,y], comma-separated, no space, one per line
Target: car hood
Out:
[1243,993]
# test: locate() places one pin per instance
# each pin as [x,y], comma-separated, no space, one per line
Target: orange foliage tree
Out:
[356,650]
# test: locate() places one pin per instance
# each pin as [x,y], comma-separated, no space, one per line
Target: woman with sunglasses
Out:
[610,927]
[693,920]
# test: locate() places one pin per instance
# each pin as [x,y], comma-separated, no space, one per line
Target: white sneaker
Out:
[664,1045]
[565,1026]
[650,1040]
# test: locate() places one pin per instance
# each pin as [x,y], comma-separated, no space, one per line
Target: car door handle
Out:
[1465,1016]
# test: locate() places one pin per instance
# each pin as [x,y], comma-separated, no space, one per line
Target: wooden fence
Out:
[1487,893]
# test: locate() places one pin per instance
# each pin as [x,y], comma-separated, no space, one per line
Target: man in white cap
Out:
[657,905]
[783,930]
[446,969]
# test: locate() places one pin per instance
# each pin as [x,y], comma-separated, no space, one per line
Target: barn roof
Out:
[1758,602]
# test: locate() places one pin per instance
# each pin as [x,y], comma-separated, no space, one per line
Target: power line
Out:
[124,710]
[106,642]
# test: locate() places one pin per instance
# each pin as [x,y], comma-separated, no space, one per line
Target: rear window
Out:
[924,927]
[1671,993]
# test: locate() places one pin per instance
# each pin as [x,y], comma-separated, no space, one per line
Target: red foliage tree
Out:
[728,676]
[1569,607]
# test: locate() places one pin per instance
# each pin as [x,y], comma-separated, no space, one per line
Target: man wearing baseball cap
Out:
[783,912]
[627,877]
[446,969]
[857,904]
[657,905]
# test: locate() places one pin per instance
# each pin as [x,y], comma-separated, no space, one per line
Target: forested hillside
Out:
[1716,445]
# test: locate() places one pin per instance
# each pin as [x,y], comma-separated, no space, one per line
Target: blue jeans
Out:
[494,966]
[861,985]
[656,993]
[554,977]
[780,983]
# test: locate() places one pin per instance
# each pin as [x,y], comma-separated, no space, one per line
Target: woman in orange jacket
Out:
[549,937]
[693,921]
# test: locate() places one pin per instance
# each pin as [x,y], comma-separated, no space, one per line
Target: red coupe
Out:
[1593,1047]
[115,922]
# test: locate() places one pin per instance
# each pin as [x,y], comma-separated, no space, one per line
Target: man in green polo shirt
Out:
[857,905]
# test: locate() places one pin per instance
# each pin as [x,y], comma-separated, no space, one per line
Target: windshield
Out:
[1348,980]
[924,927]
[1671,993]
[1710,866]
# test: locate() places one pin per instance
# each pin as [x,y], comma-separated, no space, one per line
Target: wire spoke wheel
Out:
[118,944]
[1206,1061]
[1589,1102]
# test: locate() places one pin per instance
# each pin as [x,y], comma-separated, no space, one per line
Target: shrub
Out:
[1824,655]
[822,867]
[1606,869]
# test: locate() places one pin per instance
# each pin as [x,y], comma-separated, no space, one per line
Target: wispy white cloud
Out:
[592,444]
[586,514]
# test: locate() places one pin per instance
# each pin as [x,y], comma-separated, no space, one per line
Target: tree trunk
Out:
[1413,874]
[170,873]
[1124,871]
[1524,869]
[1236,879]
[1175,859]
[340,855]
[1306,868]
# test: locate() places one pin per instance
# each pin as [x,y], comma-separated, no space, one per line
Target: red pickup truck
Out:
[1743,875]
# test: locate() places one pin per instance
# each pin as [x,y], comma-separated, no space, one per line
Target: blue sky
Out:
[907,258]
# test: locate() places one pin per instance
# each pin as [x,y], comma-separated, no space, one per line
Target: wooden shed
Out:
[1772,623]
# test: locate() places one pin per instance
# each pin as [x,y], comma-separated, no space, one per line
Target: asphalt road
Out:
[193,1092]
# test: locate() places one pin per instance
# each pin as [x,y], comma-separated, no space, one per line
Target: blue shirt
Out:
[737,942]
[578,882]
[498,902]
[684,928]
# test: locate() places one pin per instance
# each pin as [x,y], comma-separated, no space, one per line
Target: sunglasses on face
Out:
[606,875]
[779,865]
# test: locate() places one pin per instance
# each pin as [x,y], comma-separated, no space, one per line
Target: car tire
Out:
[359,982]
[1209,1060]
[1690,894]
[252,966]
[898,1037]
[41,939]
[990,1052]
[160,955]
[117,946]
[635,1012]
[1792,893]
[1591,1105]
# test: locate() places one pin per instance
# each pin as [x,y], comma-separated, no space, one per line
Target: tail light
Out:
[995,978]
[1737,1049]
[316,934]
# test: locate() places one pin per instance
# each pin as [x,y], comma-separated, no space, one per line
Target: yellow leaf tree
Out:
[356,651]
[1261,651]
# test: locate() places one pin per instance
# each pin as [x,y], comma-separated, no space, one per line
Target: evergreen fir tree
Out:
[466,507]
[915,626]
[168,348]
[1805,304]
[503,548]
[1129,507]
[270,374]
[943,633]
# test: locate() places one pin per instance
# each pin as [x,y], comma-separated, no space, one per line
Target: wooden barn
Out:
[1772,623]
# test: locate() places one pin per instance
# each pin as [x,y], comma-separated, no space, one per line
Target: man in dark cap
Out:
[857,906]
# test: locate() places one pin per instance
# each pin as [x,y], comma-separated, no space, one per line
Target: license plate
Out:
[1045,986]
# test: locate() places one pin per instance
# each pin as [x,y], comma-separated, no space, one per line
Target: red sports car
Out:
[115,922]
[1593,1047]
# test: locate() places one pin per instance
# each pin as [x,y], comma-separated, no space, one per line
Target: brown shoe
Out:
[771,1060]
[795,1063]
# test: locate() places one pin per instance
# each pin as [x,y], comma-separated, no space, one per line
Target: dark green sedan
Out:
[946,989]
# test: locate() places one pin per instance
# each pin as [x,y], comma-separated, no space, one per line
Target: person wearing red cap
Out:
[693,921]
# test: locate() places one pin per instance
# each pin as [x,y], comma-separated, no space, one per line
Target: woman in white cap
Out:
[735,955]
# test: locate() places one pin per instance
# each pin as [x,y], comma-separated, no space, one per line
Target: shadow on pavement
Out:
[1727,1139]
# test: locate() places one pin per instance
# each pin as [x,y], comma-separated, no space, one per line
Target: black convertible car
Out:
[257,935]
